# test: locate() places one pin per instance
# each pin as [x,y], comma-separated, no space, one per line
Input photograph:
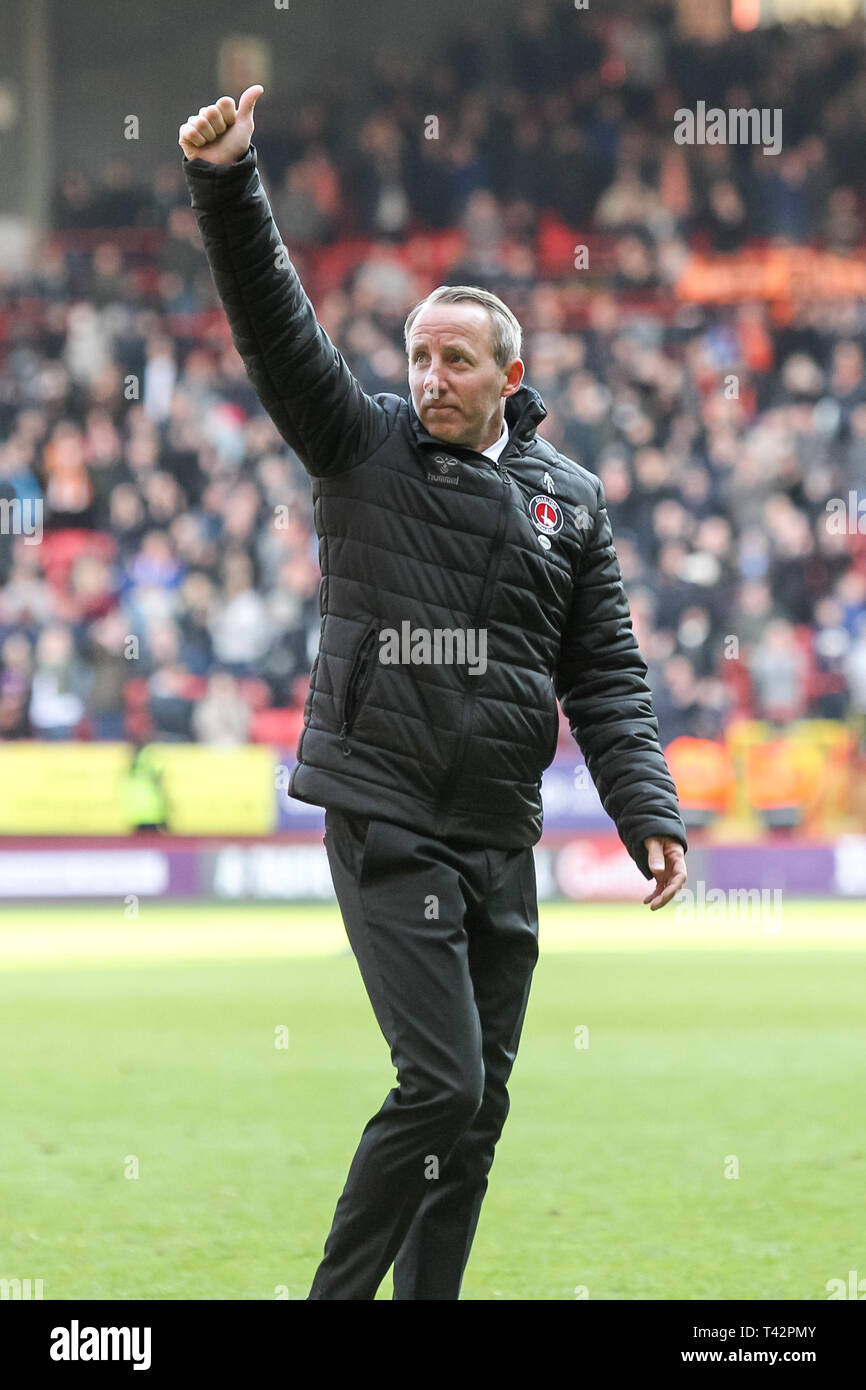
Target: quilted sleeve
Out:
[301,379]
[600,680]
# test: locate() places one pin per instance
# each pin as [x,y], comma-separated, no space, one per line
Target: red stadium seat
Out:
[135,695]
[194,687]
[60,550]
[137,722]
[281,727]
[300,686]
[255,693]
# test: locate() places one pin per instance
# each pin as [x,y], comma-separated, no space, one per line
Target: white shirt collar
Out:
[496,449]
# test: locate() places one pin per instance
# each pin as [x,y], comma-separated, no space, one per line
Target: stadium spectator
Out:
[779,667]
[59,685]
[16,657]
[222,716]
[105,655]
[240,628]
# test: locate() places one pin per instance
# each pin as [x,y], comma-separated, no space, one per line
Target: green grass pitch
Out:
[713,1049]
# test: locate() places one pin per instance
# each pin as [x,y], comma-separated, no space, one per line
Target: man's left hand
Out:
[667,862]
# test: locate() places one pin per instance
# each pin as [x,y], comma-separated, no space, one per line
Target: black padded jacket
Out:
[417,537]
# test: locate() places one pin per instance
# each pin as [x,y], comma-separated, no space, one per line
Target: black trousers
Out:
[446,939]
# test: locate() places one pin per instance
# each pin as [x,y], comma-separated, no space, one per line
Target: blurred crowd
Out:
[173,593]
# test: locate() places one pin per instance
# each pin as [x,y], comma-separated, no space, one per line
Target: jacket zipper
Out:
[469,704]
[357,684]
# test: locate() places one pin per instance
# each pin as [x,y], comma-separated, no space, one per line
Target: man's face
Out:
[457,388]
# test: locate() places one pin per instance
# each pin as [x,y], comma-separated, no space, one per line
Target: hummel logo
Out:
[548,482]
[444,464]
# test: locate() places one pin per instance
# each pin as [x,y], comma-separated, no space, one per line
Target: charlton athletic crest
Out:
[546,514]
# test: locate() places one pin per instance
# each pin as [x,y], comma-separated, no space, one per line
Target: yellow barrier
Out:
[79,788]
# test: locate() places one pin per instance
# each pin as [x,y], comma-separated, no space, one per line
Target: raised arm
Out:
[301,379]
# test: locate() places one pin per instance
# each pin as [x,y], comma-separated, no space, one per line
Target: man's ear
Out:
[514,377]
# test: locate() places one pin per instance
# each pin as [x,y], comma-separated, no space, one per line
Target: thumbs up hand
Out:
[220,133]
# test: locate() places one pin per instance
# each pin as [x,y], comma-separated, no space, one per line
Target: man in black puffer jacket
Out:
[468,579]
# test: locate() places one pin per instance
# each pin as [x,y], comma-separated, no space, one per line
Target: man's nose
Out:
[433,384]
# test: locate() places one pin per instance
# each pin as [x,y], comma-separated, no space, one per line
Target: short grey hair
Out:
[506,333]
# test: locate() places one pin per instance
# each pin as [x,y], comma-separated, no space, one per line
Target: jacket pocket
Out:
[358,681]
